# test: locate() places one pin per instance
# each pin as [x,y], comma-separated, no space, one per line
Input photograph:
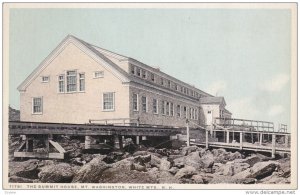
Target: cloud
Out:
[244,108]
[275,110]
[276,83]
[217,87]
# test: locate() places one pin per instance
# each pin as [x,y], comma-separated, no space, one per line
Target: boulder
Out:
[285,169]
[16,179]
[188,149]
[224,157]
[59,173]
[27,169]
[179,162]
[165,165]
[166,177]
[91,172]
[122,172]
[174,170]
[231,169]
[275,178]
[193,159]
[207,161]
[251,160]
[138,167]
[263,169]
[198,179]
[155,161]
[186,172]
[140,153]
[231,180]
[243,175]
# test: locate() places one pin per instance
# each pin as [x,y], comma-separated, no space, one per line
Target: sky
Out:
[241,54]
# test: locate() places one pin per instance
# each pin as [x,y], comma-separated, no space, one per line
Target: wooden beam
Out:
[273,145]
[241,140]
[187,133]
[57,146]
[39,155]
[206,139]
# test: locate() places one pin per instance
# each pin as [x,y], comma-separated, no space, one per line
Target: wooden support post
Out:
[87,142]
[224,136]
[46,140]
[260,138]
[273,145]
[120,142]
[252,139]
[241,140]
[137,140]
[29,145]
[227,137]
[116,142]
[206,139]
[286,141]
[187,133]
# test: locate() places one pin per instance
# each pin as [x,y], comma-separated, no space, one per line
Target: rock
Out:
[185,172]
[218,152]
[155,161]
[60,173]
[263,169]
[87,157]
[275,178]
[173,170]
[16,179]
[138,167]
[193,159]
[224,157]
[197,179]
[231,169]
[285,169]
[165,165]
[167,177]
[77,161]
[251,160]
[243,175]
[174,156]
[230,180]
[217,167]
[179,162]
[188,149]
[122,172]
[207,160]
[27,169]
[91,172]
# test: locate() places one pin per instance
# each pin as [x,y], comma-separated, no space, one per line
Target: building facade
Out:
[79,83]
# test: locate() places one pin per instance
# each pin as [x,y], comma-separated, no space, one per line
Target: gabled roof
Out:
[227,111]
[212,100]
[88,49]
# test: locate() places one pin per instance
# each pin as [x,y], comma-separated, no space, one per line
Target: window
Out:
[169,84]
[178,111]
[161,81]
[37,105]
[144,74]
[144,104]
[155,105]
[152,77]
[171,109]
[135,102]
[176,87]
[132,69]
[108,101]
[163,108]
[45,79]
[167,108]
[71,81]
[99,74]
[138,71]
[184,112]
[190,113]
[81,82]
[61,83]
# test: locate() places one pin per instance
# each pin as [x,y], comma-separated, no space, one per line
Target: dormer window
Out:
[138,72]
[99,74]
[152,77]
[45,79]
[144,74]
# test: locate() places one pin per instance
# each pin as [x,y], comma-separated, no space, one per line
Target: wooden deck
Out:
[38,128]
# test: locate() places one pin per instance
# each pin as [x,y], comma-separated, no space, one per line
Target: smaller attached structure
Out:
[212,108]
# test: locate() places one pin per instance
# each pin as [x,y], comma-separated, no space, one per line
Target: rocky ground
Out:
[191,165]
